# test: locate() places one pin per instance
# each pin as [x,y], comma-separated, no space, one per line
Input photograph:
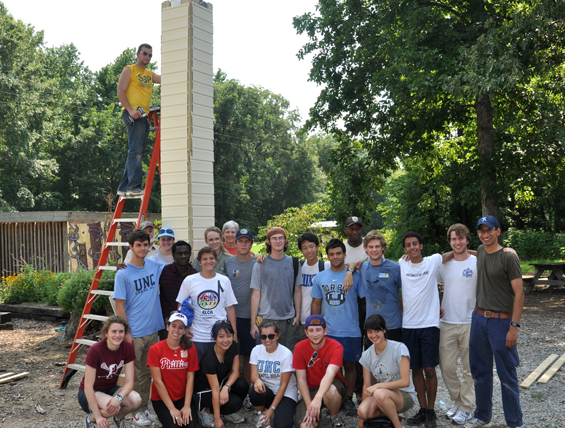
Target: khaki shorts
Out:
[408,402]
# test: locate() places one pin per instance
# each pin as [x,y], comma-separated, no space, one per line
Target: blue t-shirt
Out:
[139,287]
[382,285]
[340,310]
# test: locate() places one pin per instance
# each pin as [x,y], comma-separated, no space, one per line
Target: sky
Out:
[254,42]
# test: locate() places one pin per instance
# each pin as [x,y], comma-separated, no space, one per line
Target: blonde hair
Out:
[373,234]
[219,232]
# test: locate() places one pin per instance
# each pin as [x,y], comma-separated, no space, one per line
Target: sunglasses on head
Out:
[166,231]
[146,54]
[312,359]
[269,336]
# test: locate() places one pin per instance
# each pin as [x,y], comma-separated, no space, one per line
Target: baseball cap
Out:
[166,231]
[146,224]
[353,220]
[275,231]
[177,316]
[243,233]
[315,320]
[488,220]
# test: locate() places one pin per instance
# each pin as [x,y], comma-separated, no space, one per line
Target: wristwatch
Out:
[229,386]
[119,397]
[515,324]
[349,269]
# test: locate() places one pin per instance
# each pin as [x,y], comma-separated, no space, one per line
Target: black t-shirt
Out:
[209,364]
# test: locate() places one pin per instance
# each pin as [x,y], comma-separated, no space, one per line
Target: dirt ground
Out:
[37,401]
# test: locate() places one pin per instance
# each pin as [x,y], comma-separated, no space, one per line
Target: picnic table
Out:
[554,277]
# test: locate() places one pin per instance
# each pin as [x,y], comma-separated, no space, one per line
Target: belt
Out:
[491,314]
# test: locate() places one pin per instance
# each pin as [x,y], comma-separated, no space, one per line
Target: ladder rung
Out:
[82,368]
[85,342]
[125,220]
[106,280]
[107,268]
[153,128]
[132,197]
[95,317]
[117,244]
[155,108]
[102,292]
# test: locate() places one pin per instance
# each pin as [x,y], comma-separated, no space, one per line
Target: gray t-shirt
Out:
[159,258]
[274,278]
[220,264]
[239,274]
[386,367]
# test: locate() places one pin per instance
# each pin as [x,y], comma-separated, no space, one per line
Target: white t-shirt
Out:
[354,254]
[209,298]
[420,295]
[308,273]
[271,366]
[459,290]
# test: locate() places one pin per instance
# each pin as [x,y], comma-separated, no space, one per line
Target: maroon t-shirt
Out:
[330,353]
[169,285]
[108,364]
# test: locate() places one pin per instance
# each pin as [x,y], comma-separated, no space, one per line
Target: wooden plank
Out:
[7,379]
[538,371]
[6,374]
[552,370]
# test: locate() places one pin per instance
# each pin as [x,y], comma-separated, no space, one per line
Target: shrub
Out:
[74,291]
[25,286]
[534,244]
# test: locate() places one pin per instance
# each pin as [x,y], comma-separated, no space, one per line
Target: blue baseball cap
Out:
[243,233]
[315,320]
[488,221]
[166,231]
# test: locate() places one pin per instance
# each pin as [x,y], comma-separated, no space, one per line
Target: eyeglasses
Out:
[489,230]
[269,336]
[147,54]
[279,238]
[166,231]
[312,359]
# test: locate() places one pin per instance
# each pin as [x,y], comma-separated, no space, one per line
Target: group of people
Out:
[260,332]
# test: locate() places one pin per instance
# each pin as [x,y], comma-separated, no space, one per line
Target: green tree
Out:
[402,76]
[262,165]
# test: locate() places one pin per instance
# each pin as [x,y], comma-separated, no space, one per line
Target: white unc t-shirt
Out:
[420,295]
[459,290]
[209,298]
[308,273]
[272,366]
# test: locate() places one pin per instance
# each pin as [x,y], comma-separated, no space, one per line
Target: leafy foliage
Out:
[72,296]
[32,286]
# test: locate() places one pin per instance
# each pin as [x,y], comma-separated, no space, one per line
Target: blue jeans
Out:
[137,140]
[488,339]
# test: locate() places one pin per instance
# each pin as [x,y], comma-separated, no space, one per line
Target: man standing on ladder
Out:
[134,92]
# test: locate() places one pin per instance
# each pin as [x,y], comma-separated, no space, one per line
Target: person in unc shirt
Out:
[136,292]
[339,307]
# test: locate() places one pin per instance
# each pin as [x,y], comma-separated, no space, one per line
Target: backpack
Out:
[379,422]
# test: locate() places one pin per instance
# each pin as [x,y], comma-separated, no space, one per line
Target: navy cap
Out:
[488,221]
[243,233]
[315,320]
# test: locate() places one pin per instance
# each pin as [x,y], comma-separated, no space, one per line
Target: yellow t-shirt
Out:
[140,87]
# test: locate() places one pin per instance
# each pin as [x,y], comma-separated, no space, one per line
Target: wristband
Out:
[273,407]
[229,387]
[119,397]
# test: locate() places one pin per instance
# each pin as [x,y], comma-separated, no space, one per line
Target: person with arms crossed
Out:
[136,293]
[318,361]
[135,88]
[339,307]
[494,326]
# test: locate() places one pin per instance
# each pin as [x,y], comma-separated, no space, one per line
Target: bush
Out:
[534,244]
[74,292]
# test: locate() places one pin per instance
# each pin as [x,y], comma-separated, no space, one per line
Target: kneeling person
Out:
[318,361]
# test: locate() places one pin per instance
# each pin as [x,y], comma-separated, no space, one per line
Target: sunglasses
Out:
[312,359]
[166,231]
[147,54]
[269,336]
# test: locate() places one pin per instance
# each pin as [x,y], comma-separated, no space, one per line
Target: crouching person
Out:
[388,362]
[98,393]
[318,361]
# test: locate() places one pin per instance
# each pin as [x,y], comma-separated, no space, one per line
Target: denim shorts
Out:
[82,400]
[246,342]
[423,344]
[351,347]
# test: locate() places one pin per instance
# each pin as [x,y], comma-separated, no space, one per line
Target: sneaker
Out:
[476,423]
[451,412]
[134,192]
[430,421]
[141,419]
[349,407]
[336,421]
[89,424]
[206,419]
[121,192]
[461,417]
[150,414]
[120,423]
[247,404]
[234,418]
[418,419]
[260,423]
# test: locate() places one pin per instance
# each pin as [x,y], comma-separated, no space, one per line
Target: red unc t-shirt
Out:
[174,365]
[330,353]
[108,364]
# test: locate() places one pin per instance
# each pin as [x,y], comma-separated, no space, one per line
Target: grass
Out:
[528,269]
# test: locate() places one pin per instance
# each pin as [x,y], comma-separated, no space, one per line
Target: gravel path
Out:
[35,347]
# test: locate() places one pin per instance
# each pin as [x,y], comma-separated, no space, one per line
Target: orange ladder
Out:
[71,368]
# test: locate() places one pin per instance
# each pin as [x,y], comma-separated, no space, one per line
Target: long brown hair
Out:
[185,341]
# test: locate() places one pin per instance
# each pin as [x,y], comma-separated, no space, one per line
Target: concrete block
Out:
[199,143]
[174,134]
[175,156]
[206,79]
[203,89]
[175,100]
[174,13]
[174,89]
[201,166]
[174,189]
[175,56]
[175,34]
[203,211]
[173,177]
[204,122]
[201,223]
[203,13]
[202,67]
[200,34]
[202,188]
[205,133]
[180,77]
[200,111]
[203,46]
[202,177]
[174,45]
[203,57]
[201,155]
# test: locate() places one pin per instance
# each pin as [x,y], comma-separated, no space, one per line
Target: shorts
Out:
[83,401]
[423,344]
[300,411]
[352,347]
[407,402]
[245,341]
